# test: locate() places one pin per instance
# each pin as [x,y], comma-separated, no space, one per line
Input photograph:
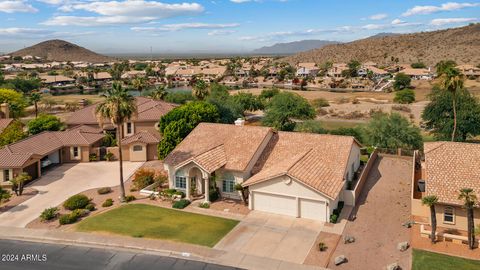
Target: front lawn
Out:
[140,220]
[424,260]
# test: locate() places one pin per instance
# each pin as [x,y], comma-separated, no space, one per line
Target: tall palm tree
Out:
[139,83]
[35,97]
[452,80]
[159,93]
[430,201]
[200,89]
[119,106]
[467,195]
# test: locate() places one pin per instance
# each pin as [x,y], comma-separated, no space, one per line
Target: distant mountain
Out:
[60,50]
[384,34]
[459,44]
[293,47]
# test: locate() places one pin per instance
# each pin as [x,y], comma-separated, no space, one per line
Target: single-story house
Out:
[307,69]
[37,153]
[290,173]
[445,169]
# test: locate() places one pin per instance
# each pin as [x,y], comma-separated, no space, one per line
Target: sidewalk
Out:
[152,246]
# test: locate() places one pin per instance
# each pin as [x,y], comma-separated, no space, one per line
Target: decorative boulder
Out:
[402,246]
[340,259]
[393,266]
[348,239]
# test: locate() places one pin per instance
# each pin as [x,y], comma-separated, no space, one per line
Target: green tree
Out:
[200,90]
[44,122]
[18,183]
[179,122]
[139,83]
[4,195]
[439,118]
[228,108]
[286,107]
[119,107]
[418,65]
[35,97]
[310,126]
[12,133]
[452,80]
[159,93]
[401,81]
[353,67]
[15,100]
[356,132]
[393,131]
[443,65]
[467,195]
[405,96]
[248,101]
[268,94]
[24,85]
[431,201]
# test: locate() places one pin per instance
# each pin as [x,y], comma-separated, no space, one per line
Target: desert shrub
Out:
[402,108]
[322,246]
[80,212]
[76,202]
[204,205]
[320,102]
[93,157]
[181,204]
[90,207]
[104,190]
[130,198]
[214,195]
[355,101]
[107,203]
[405,96]
[67,219]
[49,214]
[333,218]
[143,177]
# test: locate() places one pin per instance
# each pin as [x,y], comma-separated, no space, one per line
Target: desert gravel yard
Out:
[384,206]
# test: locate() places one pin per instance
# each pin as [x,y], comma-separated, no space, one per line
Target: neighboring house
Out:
[37,153]
[470,70]
[56,80]
[418,73]
[446,168]
[307,69]
[290,173]
[336,70]
[141,133]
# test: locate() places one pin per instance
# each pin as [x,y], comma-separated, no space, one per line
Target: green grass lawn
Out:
[140,220]
[424,260]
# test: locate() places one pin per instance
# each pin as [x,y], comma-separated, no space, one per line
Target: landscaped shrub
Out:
[107,203]
[333,218]
[130,198]
[181,193]
[80,213]
[143,177]
[49,213]
[169,191]
[204,205]
[76,202]
[109,156]
[93,157]
[213,195]
[405,96]
[67,219]
[90,207]
[181,204]
[322,246]
[104,190]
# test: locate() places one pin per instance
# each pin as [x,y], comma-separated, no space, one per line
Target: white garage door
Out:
[275,204]
[313,209]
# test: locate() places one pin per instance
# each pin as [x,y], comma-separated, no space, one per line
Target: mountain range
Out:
[292,47]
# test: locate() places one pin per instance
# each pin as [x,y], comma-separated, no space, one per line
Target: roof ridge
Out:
[210,149]
[438,145]
[301,156]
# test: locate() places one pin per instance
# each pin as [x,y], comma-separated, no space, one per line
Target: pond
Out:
[176,89]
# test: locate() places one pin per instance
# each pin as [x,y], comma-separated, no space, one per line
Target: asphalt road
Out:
[30,255]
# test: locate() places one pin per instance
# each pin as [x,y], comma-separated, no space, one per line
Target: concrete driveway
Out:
[273,236]
[62,182]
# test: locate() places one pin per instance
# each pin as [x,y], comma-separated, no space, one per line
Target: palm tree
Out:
[159,93]
[139,83]
[35,97]
[452,80]
[119,106]
[430,201]
[469,199]
[200,89]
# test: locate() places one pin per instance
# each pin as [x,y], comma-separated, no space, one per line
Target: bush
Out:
[49,213]
[204,205]
[107,203]
[143,177]
[104,190]
[405,96]
[130,198]
[170,192]
[181,204]
[181,193]
[213,195]
[320,102]
[67,219]
[90,207]
[109,156]
[322,246]
[76,202]
[333,218]
[80,213]
[93,157]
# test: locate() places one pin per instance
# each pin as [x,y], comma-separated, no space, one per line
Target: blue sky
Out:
[133,26]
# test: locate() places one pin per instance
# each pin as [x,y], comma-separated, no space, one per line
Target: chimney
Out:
[240,122]
[4,111]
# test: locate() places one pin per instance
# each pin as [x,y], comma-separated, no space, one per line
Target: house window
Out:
[129,128]
[180,182]
[75,152]
[137,148]
[228,184]
[449,215]
[6,175]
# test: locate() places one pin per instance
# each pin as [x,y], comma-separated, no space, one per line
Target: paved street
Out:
[30,255]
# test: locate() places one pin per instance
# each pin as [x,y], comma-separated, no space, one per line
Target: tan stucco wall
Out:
[148,126]
[137,155]
[152,152]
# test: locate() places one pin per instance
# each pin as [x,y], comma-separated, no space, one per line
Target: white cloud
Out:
[379,16]
[397,21]
[37,33]
[14,6]
[183,26]
[121,12]
[444,21]
[240,1]
[221,32]
[422,10]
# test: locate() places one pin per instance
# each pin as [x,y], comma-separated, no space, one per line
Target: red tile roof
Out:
[4,123]
[143,137]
